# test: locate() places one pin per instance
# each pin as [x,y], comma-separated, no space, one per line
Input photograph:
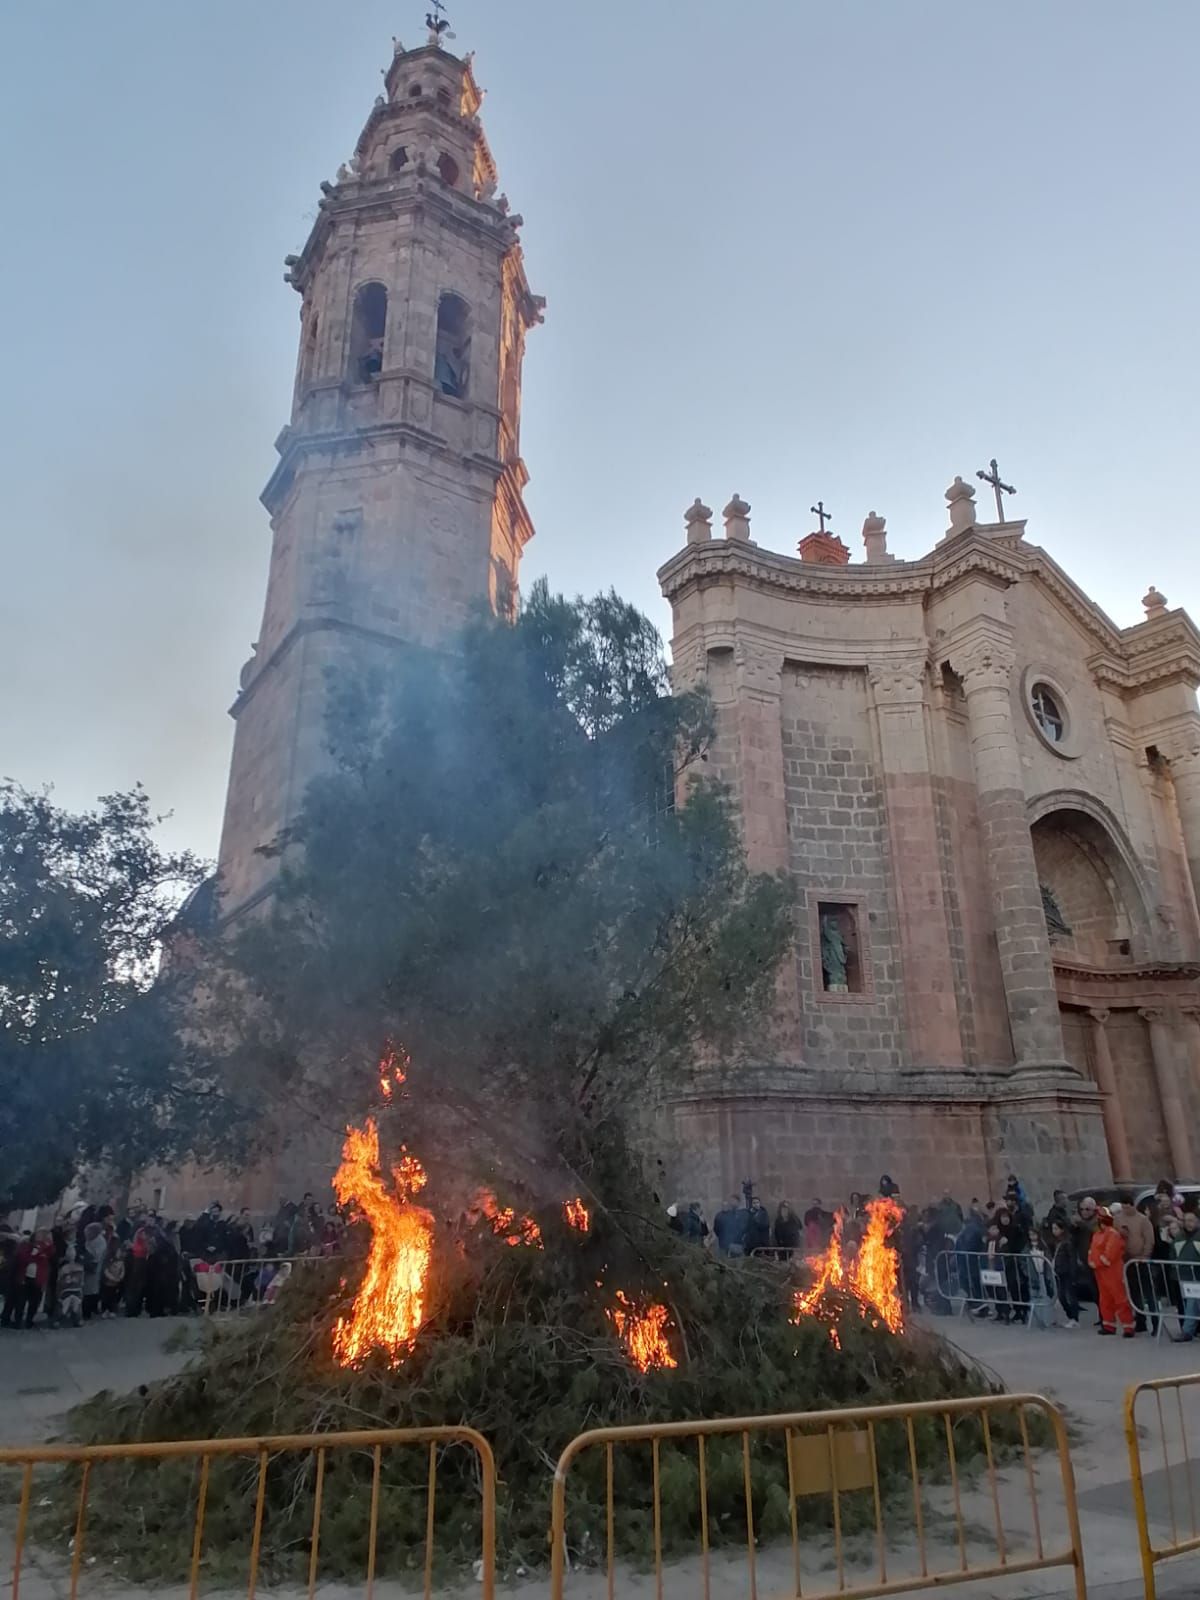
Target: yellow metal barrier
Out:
[1174,1450]
[260,1454]
[879,1500]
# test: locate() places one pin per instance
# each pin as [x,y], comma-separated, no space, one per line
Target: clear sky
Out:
[839,250]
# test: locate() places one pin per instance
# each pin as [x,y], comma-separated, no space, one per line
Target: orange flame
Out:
[643,1333]
[390,1304]
[576,1214]
[504,1220]
[872,1278]
[830,1273]
[393,1070]
[876,1276]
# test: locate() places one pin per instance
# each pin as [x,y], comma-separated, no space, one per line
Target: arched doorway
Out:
[1094,905]
[1120,995]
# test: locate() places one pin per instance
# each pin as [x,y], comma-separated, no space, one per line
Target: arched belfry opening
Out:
[452,360]
[368,325]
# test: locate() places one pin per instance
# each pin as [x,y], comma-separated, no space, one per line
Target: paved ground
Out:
[47,1371]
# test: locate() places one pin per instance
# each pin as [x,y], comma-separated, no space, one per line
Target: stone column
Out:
[1167,1078]
[898,689]
[1185,775]
[1114,1117]
[1022,944]
[1191,1043]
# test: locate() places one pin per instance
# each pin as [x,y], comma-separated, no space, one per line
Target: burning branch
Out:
[872,1279]
[390,1304]
[643,1333]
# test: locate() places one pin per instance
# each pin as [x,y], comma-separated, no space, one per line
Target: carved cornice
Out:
[720,560]
[1161,650]
[1142,972]
[1070,596]
[408,193]
[295,446]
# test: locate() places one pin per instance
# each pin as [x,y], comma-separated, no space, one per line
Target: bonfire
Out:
[389,1307]
[871,1281]
[528,1318]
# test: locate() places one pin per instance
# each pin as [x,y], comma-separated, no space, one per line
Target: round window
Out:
[1047,713]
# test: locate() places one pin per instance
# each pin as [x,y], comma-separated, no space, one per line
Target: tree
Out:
[497,878]
[94,1059]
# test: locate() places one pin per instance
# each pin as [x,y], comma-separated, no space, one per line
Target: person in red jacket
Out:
[1106,1257]
[31,1272]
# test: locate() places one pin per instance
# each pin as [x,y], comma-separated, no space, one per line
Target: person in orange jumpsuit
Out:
[1106,1257]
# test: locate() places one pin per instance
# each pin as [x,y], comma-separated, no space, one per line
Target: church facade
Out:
[986,795]
[987,798]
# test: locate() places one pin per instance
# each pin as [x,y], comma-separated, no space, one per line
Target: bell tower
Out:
[396,505]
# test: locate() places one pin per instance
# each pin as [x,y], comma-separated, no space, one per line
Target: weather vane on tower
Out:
[438,25]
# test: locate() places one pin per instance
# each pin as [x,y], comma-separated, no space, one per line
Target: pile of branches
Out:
[517,1344]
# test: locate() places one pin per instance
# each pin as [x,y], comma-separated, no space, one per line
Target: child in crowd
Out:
[70,1288]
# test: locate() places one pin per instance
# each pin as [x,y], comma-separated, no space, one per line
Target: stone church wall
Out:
[838,851]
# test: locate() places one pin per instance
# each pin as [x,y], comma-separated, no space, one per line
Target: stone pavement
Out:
[1087,1376]
[47,1371]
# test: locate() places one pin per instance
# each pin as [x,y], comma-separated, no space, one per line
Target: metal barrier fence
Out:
[1014,1288]
[825,1478]
[1174,1488]
[1159,1289]
[233,1285]
[350,1473]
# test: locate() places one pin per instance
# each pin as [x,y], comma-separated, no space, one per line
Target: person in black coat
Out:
[758,1234]
[1013,1245]
[787,1228]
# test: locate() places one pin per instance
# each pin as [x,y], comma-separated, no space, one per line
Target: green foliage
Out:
[91,1056]
[497,877]
[518,1345]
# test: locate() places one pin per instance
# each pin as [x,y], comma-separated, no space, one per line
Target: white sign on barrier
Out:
[995,1280]
[1190,1291]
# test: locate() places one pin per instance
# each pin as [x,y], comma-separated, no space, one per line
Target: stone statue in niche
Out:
[833,954]
[1057,925]
[450,368]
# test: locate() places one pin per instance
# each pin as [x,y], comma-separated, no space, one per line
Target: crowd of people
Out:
[92,1264]
[997,1255]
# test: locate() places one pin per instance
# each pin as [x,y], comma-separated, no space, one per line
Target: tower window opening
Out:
[367,330]
[448,169]
[443,98]
[414,91]
[452,360]
[398,159]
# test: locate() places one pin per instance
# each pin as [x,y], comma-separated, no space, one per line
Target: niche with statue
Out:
[841,950]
